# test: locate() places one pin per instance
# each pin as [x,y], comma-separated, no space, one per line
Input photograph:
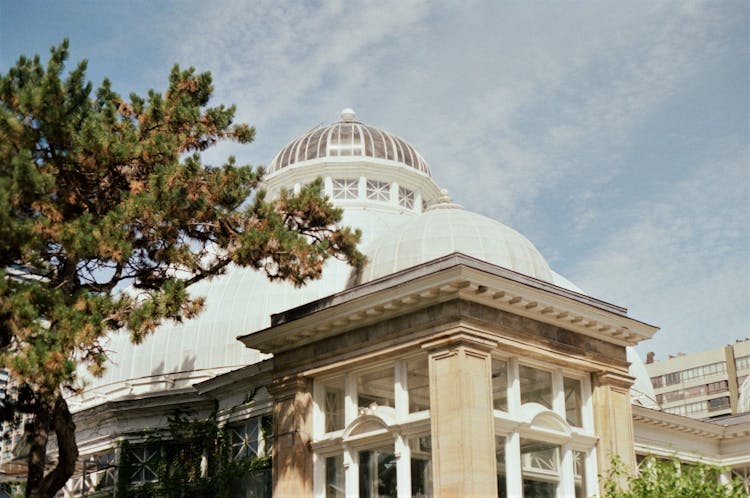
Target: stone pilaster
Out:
[292,425]
[613,419]
[463,436]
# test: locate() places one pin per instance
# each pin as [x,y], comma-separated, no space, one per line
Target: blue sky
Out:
[613,134]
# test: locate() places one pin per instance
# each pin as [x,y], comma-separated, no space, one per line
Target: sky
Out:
[614,135]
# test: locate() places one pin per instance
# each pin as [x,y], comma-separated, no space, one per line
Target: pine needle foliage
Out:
[99,192]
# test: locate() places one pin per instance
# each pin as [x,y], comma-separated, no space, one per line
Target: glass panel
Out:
[377,473]
[500,384]
[145,460]
[502,490]
[538,489]
[378,191]
[536,386]
[333,404]
[345,142]
[345,188]
[378,144]
[421,467]
[406,197]
[245,439]
[539,467]
[376,388]
[718,404]
[311,150]
[335,477]
[572,389]
[418,384]
[579,464]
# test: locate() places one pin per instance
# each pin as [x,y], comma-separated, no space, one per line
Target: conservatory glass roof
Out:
[349,139]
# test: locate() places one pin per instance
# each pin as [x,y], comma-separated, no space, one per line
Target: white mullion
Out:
[514,388]
[513,474]
[558,393]
[319,476]
[350,399]
[401,390]
[567,485]
[592,482]
[328,187]
[394,193]
[319,427]
[587,412]
[351,472]
[403,467]
[362,193]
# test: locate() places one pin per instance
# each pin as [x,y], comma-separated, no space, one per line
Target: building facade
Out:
[456,362]
[702,385]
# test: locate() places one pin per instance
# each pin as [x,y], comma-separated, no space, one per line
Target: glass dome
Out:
[446,228]
[347,140]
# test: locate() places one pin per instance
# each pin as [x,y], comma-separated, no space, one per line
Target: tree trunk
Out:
[65,430]
[37,448]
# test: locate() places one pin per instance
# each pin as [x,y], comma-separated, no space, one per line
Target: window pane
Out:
[539,466]
[421,467]
[335,477]
[145,463]
[502,489]
[376,388]
[377,473]
[418,384]
[245,439]
[378,191]
[345,188]
[406,197]
[718,404]
[333,405]
[572,401]
[499,384]
[536,386]
[579,463]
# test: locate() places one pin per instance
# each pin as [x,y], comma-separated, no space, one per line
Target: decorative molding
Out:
[438,281]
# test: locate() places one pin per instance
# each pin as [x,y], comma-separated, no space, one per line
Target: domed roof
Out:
[642,391]
[348,139]
[240,301]
[446,228]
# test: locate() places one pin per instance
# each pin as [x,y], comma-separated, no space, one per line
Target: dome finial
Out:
[445,201]
[348,114]
[444,197]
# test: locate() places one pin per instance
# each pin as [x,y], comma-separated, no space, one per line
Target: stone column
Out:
[292,424]
[613,419]
[463,435]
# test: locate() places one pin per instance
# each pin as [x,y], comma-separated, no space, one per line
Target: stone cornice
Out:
[450,277]
[685,425]
[609,378]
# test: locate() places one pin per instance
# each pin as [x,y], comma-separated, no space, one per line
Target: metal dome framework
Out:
[349,139]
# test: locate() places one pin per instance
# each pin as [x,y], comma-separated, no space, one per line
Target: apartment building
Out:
[701,385]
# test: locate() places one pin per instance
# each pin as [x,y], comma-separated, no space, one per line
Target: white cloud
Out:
[524,111]
[683,264]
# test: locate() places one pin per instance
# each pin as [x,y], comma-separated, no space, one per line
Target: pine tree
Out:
[98,193]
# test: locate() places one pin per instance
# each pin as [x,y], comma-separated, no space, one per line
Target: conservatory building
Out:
[454,363]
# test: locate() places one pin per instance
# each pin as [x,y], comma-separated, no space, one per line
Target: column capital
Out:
[616,380]
[461,338]
[289,386]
